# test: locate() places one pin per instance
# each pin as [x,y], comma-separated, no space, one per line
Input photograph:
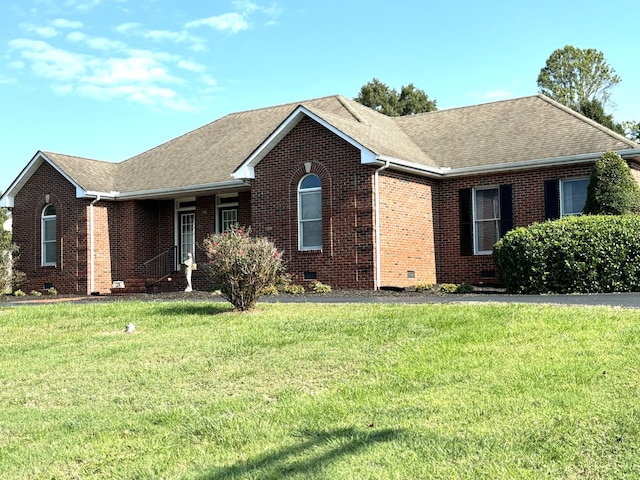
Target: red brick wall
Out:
[101,247]
[346,258]
[528,207]
[70,273]
[407,250]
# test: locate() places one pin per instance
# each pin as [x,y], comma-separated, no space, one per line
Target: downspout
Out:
[377,226]
[92,247]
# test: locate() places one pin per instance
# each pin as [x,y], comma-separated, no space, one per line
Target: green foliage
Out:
[573,75]
[241,266]
[585,254]
[465,288]
[424,287]
[19,293]
[52,291]
[319,287]
[632,130]
[612,189]
[10,278]
[593,109]
[448,287]
[294,289]
[379,96]
[35,293]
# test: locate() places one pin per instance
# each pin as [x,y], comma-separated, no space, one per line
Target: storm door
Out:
[187,235]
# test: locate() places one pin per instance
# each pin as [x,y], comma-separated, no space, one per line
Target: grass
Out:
[318,391]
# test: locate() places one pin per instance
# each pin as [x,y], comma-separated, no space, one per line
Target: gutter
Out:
[92,247]
[377,225]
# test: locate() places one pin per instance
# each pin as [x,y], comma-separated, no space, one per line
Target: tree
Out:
[594,110]
[612,189]
[632,130]
[9,276]
[572,76]
[381,97]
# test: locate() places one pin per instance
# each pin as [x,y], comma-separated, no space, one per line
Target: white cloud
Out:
[45,32]
[82,5]
[139,76]
[232,22]
[63,23]
[126,27]
[97,43]
[191,66]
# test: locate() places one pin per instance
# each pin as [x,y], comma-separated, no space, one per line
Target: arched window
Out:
[310,213]
[49,243]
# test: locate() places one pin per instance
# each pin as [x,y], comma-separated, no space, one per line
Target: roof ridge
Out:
[349,107]
[587,120]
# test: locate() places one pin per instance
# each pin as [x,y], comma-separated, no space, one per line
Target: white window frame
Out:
[563,209]
[184,206]
[46,220]
[224,202]
[476,220]
[301,221]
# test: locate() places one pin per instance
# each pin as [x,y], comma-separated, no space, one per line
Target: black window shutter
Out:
[551,199]
[506,209]
[466,222]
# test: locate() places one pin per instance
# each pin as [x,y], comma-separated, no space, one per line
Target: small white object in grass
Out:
[129,328]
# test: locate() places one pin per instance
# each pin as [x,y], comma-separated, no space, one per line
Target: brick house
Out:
[355,199]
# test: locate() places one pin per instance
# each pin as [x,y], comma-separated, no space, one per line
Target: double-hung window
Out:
[49,242]
[486,219]
[310,213]
[573,196]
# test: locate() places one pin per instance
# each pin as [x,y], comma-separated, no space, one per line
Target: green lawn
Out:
[318,391]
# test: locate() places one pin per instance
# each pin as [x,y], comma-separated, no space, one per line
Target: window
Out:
[227,208]
[187,235]
[310,213]
[573,195]
[49,243]
[486,219]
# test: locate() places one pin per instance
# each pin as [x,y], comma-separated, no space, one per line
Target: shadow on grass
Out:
[315,451]
[195,308]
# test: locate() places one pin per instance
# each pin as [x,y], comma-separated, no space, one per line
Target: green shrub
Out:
[35,293]
[424,287]
[586,254]
[241,266]
[52,291]
[448,287]
[319,287]
[19,293]
[294,289]
[612,189]
[270,290]
[465,288]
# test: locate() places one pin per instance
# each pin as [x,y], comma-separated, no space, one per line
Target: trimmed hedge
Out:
[585,254]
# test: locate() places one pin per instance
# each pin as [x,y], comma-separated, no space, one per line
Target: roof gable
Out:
[87,176]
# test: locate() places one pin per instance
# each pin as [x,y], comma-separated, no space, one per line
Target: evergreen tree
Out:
[612,189]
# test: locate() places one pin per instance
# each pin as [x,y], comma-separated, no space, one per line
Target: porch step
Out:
[132,285]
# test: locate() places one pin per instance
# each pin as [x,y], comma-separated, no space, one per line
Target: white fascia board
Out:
[246,170]
[181,191]
[537,163]
[407,166]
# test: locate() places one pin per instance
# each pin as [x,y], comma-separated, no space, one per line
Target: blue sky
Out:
[108,79]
